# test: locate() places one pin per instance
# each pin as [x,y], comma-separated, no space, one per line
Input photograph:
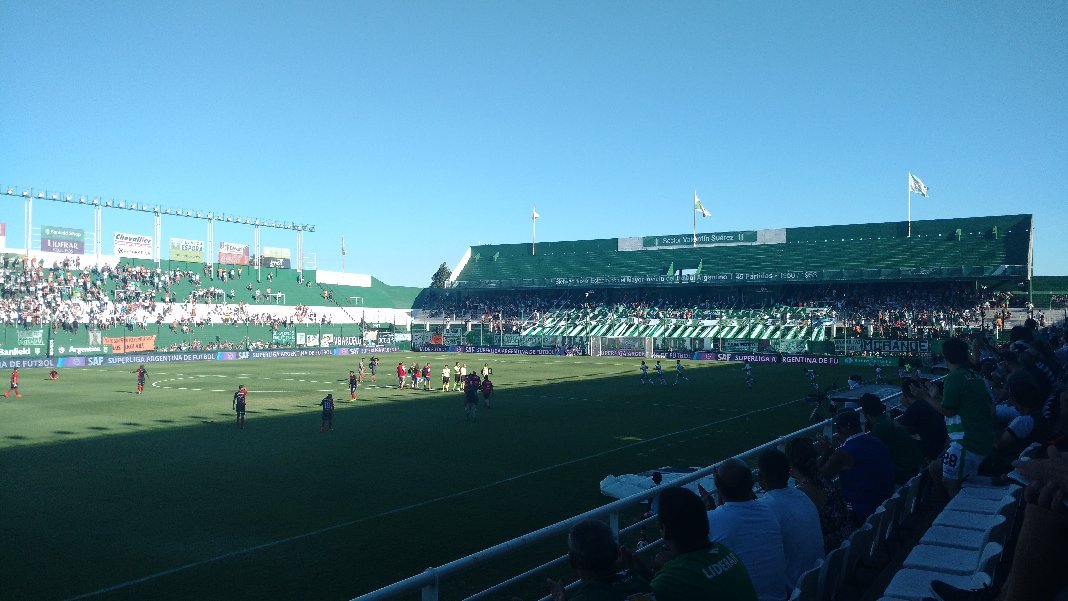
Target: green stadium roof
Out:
[964,248]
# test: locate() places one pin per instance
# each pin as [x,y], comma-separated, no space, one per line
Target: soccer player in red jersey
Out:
[53,375]
[14,384]
[400,375]
[142,373]
[240,401]
[487,390]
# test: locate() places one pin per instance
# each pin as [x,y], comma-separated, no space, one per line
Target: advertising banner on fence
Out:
[31,337]
[66,240]
[233,254]
[133,245]
[876,345]
[277,258]
[131,344]
[187,250]
[3,235]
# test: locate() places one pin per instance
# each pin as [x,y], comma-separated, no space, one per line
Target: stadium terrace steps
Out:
[284,281]
[934,244]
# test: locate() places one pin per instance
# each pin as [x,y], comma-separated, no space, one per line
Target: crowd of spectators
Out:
[999,407]
[876,311]
[67,296]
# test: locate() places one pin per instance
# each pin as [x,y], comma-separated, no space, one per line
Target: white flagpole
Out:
[909,186]
[695,218]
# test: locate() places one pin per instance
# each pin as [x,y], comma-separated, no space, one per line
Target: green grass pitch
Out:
[160,496]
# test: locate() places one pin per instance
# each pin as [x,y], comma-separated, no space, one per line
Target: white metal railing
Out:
[429,581]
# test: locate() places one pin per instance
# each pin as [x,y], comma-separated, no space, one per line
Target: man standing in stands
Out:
[14,384]
[969,413]
[142,373]
[353,383]
[694,567]
[240,399]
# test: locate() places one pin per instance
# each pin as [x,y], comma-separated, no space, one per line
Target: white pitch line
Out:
[296,537]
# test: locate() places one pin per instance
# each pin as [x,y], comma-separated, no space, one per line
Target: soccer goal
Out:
[604,346]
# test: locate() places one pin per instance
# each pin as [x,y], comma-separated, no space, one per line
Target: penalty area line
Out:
[350,523]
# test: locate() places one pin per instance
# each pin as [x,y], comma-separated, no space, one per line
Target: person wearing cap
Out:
[904,450]
[863,466]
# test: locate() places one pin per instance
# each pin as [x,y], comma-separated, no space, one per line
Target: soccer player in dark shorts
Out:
[240,400]
[353,383]
[328,412]
[487,390]
[142,373]
[456,376]
[14,384]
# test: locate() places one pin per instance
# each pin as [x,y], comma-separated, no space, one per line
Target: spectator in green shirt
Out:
[969,413]
[694,567]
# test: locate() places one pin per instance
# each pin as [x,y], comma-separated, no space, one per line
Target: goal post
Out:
[602,346]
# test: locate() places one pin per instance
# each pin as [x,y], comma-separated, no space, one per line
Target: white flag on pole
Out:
[535,215]
[700,208]
[915,185]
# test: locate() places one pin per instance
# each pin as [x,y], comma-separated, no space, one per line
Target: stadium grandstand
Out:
[67,307]
[793,287]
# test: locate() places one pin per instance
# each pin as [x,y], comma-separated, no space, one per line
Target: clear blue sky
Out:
[416,129]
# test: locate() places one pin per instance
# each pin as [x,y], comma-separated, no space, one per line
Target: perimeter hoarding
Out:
[277,258]
[191,251]
[233,254]
[66,240]
[134,246]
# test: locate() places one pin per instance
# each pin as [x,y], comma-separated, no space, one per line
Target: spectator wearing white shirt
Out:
[799,520]
[750,529]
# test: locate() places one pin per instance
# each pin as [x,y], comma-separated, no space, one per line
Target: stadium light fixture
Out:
[55,196]
[26,193]
[10,191]
[70,198]
[40,195]
[96,202]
